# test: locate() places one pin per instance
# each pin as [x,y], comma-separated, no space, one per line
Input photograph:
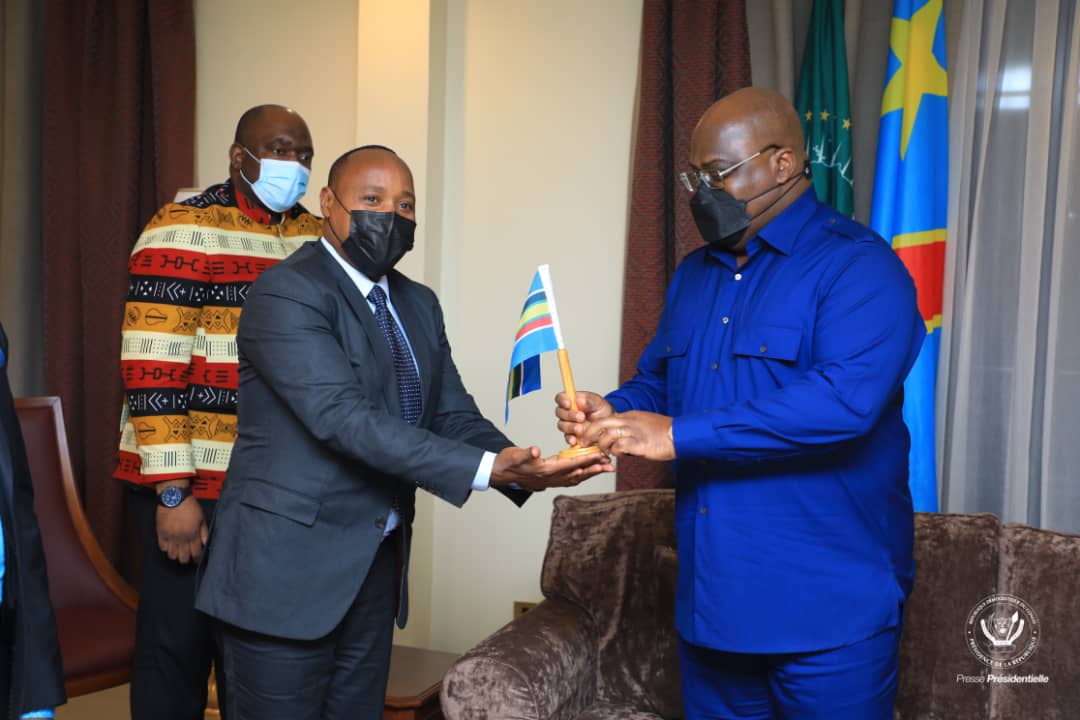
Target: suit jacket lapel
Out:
[383,359]
[384,363]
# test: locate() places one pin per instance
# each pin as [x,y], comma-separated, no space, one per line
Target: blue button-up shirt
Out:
[785,380]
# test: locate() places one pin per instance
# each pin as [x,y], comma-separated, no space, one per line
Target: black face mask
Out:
[721,219]
[377,240]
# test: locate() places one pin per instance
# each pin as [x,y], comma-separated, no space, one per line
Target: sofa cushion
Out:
[1041,568]
[613,556]
[956,565]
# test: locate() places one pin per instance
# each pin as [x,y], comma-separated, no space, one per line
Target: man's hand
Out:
[181,530]
[591,407]
[641,434]
[525,468]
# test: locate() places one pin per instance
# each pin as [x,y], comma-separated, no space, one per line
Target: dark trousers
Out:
[855,682]
[174,643]
[338,677]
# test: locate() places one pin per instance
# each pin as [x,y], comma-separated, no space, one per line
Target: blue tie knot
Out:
[378,297]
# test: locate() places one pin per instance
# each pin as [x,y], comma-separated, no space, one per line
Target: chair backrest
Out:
[79,572]
[613,555]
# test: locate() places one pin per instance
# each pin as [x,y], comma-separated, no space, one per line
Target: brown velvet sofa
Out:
[602,643]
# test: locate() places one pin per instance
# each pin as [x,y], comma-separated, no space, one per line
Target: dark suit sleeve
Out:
[287,335]
[37,680]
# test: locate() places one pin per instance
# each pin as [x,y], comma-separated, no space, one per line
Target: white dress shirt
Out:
[482,478]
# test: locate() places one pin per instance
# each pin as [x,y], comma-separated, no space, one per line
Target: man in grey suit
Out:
[349,402]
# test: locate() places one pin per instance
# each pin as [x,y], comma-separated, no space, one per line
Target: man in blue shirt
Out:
[31,680]
[774,384]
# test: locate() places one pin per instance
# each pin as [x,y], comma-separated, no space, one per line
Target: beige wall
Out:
[250,52]
[516,118]
[546,120]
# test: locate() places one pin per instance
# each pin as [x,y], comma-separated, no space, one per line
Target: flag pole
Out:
[568,388]
[564,364]
[567,378]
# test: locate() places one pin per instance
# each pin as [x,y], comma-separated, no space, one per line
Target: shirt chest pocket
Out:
[769,342]
[674,345]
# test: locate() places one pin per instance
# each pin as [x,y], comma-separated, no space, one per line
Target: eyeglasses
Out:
[692,179]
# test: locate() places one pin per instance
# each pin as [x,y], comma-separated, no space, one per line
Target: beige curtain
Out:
[21,26]
[1009,387]
[1009,379]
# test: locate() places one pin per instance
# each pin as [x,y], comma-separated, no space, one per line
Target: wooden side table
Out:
[412,692]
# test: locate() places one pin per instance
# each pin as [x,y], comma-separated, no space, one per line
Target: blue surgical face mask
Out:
[281,183]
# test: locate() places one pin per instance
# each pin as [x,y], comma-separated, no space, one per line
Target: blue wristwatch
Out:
[170,497]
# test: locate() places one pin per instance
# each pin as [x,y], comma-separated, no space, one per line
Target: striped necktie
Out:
[408,381]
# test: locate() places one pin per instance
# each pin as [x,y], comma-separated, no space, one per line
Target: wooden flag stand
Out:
[568,386]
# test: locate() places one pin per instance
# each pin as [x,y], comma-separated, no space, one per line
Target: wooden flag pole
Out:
[568,387]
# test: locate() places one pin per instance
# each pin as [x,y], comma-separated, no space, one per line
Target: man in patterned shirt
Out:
[190,272]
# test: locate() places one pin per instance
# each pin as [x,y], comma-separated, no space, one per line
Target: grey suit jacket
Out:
[323,450]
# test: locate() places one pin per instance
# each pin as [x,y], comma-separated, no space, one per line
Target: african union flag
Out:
[537,333]
[910,202]
[824,105]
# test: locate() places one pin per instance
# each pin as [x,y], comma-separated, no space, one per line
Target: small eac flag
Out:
[538,332]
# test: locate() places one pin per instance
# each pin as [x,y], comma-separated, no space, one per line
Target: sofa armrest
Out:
[541,666]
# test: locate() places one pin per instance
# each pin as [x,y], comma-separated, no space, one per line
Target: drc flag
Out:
[910,203]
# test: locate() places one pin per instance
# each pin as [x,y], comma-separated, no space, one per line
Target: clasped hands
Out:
[595,422]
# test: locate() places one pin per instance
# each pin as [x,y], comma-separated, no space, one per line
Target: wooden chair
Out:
[95,607]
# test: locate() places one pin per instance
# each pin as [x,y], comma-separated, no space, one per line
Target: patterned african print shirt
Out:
[190,272]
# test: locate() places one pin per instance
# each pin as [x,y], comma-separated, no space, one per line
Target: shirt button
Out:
[725,320]
[714,366]
[738,276]
[703,510]
[763,348]
[380,523]
[667,348]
